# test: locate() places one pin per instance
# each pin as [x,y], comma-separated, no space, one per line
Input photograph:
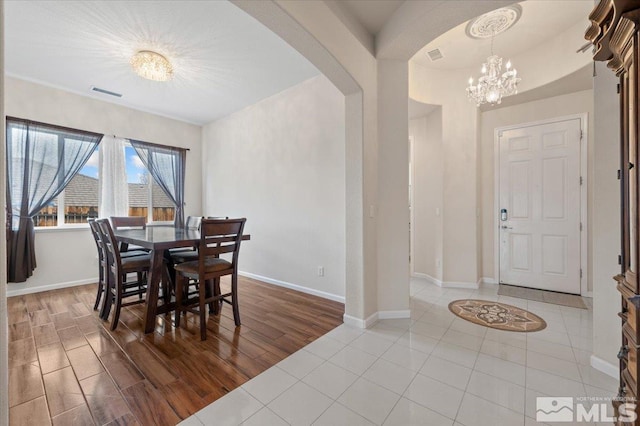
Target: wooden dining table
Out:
[157,239]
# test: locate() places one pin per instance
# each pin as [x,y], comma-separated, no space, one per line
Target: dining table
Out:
[157,239]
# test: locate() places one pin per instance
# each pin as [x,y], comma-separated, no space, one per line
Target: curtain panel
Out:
[167,167]
[41,160]
[114,189]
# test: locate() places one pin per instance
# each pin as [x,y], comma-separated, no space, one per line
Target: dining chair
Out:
[118,269]
[188,255]
[217,237]
[129,222]
[97,236]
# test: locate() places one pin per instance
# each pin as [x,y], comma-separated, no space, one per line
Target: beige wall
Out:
[427,170]
[281,164]
[605,229]
[574,103]
[393,188]
[4,334]
[77,264]
[459,163]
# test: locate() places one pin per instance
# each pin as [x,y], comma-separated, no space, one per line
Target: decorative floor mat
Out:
[497,315]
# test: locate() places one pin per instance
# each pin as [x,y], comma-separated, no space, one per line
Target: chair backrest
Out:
[193,222]
[220,236]
[134,222]
[97,236]
[110,245]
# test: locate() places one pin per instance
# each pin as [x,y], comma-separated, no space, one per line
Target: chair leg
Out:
[216,292]
[202,311]
[99,295]
[179,283]
[213,306]
[108,298]
[116,314]
[140,281]
[234,299]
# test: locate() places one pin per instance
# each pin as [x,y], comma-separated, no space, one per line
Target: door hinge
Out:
[618,88]
[580,272]
[581,134]
[619,260]
[581,180]
[580,226]
[619,174]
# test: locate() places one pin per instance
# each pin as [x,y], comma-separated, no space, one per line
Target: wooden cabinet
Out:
[614,32]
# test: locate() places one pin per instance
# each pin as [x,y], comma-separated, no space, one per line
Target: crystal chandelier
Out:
[493,84]
[152,66]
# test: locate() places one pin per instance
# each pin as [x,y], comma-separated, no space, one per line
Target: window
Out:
[146,198]
[79,200]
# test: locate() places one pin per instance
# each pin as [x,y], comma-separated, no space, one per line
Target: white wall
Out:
[459,165]
[4,332]
[281,164]
[68,257]
[573,103]
[393,188]
[606,217]
[426,133]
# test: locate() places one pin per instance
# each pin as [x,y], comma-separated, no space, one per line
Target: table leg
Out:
[153,287]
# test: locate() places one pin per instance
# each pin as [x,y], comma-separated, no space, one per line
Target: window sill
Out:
[66,228]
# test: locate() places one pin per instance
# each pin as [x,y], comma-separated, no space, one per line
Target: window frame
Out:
[60,220]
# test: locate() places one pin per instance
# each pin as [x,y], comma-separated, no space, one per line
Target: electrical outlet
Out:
[321,271]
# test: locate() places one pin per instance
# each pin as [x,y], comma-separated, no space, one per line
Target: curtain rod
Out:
[152,144]
[70,129]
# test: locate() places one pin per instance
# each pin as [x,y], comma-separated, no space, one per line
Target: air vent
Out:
[435,54]
[106,92]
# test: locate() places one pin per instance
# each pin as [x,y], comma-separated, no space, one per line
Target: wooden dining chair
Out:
[217,237]
[128,222]
[118,269]
[97,236]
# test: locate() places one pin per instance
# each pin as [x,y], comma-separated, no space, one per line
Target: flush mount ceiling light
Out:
[493,84]
[152,66]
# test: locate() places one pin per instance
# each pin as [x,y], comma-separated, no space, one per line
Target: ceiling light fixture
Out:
[493,84]
[152,66]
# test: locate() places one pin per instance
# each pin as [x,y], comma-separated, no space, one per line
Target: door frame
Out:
[584,234]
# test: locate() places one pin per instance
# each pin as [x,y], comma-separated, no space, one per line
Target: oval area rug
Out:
[497,315]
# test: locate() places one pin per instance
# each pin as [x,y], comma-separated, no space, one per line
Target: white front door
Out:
[539,202]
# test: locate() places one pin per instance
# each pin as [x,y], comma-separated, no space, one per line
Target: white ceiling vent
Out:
[105,92]
[435,54]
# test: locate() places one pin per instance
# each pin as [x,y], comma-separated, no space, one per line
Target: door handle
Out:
[506,227]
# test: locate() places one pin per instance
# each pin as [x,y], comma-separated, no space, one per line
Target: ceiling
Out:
[223,59]
[540,21]
[372,14]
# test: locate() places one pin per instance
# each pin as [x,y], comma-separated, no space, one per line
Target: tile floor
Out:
[434,369]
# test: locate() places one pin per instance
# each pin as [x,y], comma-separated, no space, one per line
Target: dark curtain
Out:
[167,167]
[41,160]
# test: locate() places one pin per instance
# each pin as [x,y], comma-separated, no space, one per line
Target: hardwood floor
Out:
[67,368]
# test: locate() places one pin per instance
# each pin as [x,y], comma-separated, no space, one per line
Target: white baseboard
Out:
[47,287]
[302,289]
[488,280]
[394,314]
[360,323]
[420,275]
[446,284]
[460,284]
[431,279]
[605,367]
[374,318]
